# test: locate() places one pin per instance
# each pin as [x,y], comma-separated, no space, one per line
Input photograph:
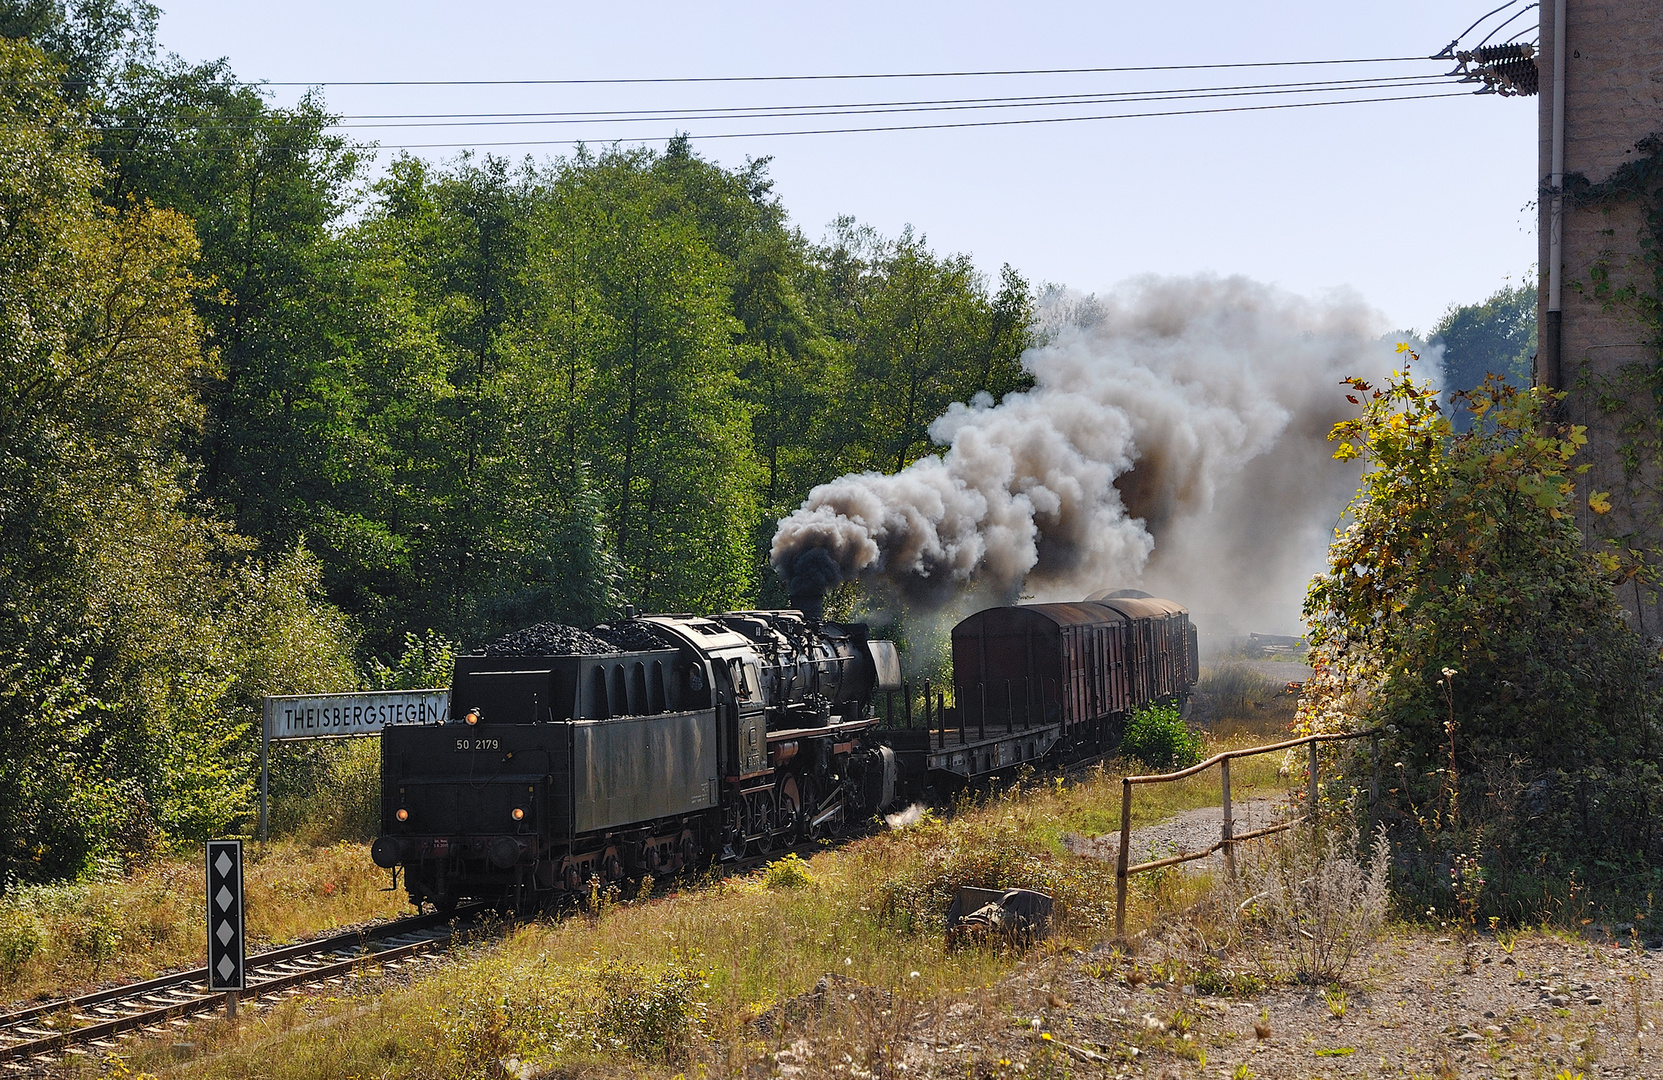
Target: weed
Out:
[1242,1072]
[790,872]
[1233,690]
[1336,998]
[20,939]
[1327,907]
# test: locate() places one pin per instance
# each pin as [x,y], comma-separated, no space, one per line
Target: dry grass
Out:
[1232,695]
[701,978]
[64,939]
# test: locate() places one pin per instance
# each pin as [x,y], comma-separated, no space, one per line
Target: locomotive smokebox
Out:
[812,573]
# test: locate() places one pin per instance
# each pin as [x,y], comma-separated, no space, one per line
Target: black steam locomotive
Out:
[742,731]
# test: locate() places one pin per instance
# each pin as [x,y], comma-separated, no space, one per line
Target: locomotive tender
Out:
[742,731]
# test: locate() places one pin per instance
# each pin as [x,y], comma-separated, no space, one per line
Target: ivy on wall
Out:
[1631,396]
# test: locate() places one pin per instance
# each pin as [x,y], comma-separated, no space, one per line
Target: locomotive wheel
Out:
[788,798]
[736,822]
[762,820]
[810,806]
[612,866]
[688,849]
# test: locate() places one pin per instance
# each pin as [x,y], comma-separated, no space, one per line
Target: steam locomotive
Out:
[741,732]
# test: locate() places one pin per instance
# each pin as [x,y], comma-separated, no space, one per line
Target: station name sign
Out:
[324,716]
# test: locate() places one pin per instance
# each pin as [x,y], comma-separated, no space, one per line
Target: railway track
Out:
[41,1034]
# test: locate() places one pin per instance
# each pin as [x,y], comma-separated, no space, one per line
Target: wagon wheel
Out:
[788,797]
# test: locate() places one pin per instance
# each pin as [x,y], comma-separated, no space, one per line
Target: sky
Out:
[1411,205]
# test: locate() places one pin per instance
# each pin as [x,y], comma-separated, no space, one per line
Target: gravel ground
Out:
[1547,1007]
[1419,1006]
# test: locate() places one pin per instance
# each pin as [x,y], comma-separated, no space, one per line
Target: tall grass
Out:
[62,939]
[1233,691]
[675,982]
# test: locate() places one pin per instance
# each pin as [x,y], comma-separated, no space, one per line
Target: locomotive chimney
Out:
[810,600]
[812,572]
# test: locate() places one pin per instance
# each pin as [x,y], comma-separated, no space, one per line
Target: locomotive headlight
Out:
[403,814]
[518,814]
[472,718]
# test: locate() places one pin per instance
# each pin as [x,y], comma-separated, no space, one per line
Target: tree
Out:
[1496,337]
[1461,611]
[135,633]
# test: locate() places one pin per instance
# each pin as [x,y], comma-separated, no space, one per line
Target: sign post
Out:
[340,716]
[226,951]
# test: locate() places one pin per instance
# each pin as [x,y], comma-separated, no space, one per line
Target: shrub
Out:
[1158,737]
[1463,613]
[1311,891]
[20,939]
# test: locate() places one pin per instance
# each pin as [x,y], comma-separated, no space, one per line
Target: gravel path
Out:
[1191,830]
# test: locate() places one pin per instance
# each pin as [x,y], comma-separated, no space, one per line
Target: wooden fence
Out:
[1227,838]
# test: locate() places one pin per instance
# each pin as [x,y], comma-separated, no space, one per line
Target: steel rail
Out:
[33,1045]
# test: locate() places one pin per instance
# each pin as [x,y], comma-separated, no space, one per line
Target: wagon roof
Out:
[1025,616]
[1142,607]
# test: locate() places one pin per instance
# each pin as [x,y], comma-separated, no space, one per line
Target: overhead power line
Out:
[834,77]
[1023,121]
[423,120]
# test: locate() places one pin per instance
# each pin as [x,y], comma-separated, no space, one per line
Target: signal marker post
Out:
[226,952]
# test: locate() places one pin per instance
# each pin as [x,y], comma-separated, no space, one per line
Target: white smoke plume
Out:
[1175,440]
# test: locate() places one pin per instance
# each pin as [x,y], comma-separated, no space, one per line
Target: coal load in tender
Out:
[549,639]
[634,637]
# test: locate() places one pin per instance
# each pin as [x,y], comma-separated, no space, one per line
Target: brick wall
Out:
[1613,98]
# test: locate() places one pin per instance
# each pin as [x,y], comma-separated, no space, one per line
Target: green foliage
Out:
[1496,337]
[424,664]
[1157,736]
[136,634]
[20,940]
[459,399]
[790,872]
[1461,611]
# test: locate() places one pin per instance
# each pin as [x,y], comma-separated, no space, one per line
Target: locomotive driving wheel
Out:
[788,798]
[810,793]
[736,823]
[762,819]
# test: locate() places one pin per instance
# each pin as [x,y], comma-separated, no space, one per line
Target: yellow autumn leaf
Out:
[1600,502]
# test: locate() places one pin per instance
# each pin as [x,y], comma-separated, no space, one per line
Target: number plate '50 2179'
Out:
[478,744]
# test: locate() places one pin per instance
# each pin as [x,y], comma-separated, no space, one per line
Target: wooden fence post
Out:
[1311,799]
[1228,830]
[1374,776]
[1122,860]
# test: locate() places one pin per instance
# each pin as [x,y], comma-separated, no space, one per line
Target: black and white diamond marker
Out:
[225,915]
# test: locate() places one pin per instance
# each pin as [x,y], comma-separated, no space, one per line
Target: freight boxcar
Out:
[1036,682]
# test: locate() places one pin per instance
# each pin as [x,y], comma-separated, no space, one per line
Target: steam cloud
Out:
[1175,439]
